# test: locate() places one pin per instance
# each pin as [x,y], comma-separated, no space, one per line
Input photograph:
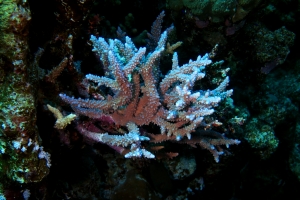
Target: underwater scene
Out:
[149,99]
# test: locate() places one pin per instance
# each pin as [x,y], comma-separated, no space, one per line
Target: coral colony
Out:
[131,94]
[107,110]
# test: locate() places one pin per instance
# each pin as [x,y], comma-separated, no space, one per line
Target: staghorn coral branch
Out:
[55,72]
[209,140]
[132,138]
[61,121]
[155,31]
[140,97]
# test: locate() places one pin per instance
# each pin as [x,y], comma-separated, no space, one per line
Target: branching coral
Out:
[132,95]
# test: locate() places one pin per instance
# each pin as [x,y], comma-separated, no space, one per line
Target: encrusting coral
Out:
[22,158]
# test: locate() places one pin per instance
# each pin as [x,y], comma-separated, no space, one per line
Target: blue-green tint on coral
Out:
[261,137]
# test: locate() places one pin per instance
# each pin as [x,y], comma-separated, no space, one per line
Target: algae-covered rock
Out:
[21,156]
